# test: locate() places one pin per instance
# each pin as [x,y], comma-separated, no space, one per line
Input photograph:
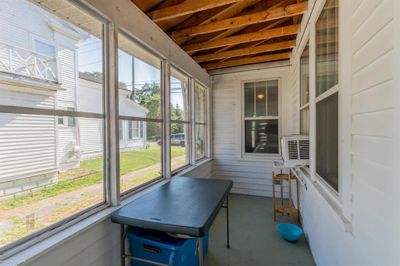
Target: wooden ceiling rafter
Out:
[246,51]
[240,21]
[186,8]
[271,25]
[243,38]
[228,33]
[228,12]
[247,61]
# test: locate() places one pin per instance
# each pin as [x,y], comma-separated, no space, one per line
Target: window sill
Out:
[15,257]
[262,157]
[305,178]
[192,167]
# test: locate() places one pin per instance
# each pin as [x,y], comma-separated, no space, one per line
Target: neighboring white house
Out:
[39,68]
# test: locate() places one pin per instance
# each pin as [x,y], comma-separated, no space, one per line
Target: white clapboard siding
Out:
[99,245]
[202,171]
[373,144]
[68,68]
[17,31]
[369,194]
[250,175]
[91,137]
[90,99]
[27,145]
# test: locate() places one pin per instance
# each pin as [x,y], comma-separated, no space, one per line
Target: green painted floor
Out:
[254,240]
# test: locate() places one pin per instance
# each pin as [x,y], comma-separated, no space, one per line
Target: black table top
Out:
[183,206]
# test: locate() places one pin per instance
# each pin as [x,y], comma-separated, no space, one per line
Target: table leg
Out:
[200,251]
[227,222]
[122,244]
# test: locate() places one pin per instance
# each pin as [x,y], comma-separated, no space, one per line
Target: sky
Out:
[90,60]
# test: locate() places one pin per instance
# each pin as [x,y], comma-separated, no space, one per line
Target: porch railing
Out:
[24,62]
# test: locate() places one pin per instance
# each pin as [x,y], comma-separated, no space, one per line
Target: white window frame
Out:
[248,155]
[205,123]
[112,194]
[313,100]
[35,38]
[132,130]
[189,118]
[307,104]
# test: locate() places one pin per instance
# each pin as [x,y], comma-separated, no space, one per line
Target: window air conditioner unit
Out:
[295,150]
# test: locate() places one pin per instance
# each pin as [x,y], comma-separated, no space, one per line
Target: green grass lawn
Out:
[130,161]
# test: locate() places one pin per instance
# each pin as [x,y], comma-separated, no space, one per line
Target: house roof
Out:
[226,33]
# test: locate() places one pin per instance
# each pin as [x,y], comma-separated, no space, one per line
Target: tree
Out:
[149,96]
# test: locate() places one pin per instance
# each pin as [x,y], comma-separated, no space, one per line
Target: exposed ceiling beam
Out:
[230,32]
[227,12]
[239,21]
[246,51]
[146,5]
[270,26]
[186,8]
[246,61]
[243,38]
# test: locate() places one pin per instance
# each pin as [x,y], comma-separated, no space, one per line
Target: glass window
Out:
[200,106]
[327,49]
[327,140]
[305,91]
[139,99]
[327,106]
[133,129]
[180,120]
[305,76]
[49,173]
[305,121]
[45,49]
[261,122]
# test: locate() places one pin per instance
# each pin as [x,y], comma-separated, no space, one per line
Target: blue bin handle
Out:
[151,248]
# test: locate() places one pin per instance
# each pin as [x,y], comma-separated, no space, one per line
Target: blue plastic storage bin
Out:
[160,247]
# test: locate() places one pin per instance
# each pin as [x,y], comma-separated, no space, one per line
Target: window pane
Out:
[261,98]
[200,141]
[51,167]
[45,178]
[327,140]
[180,149]
[327,47]
[179,96]
[305,76]
[139,80]
[261,136]
[305,121]
[139,96]
[272,98]
[45,49]
[140,157]
[200,103]
[249,99]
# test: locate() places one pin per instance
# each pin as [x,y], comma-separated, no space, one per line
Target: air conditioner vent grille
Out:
[295,150]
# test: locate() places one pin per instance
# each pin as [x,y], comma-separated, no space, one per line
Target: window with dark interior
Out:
[305,91]
[261,119]
[327,98]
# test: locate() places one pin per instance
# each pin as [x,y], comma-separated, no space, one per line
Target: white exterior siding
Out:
[27,142]
[91,130]
[251,175]
[362,228]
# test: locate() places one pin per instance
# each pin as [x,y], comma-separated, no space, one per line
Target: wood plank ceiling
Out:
[227,33]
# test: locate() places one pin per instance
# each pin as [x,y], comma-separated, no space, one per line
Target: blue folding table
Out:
[184,205]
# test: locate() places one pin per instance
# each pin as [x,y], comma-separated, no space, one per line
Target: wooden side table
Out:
[285,207]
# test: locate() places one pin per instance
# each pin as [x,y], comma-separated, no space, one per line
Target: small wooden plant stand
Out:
[285,207]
